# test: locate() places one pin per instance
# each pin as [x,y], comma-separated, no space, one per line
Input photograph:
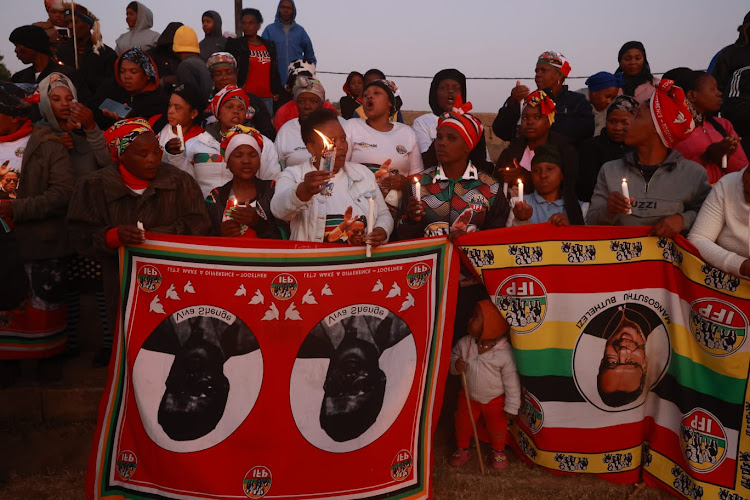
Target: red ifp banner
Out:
[278,371]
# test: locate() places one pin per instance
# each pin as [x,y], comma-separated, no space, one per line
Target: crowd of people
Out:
[234,136]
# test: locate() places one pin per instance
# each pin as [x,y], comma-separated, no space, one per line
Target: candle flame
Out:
[624,180]
[416,181]
[520,181]
[326,141]
[515,162]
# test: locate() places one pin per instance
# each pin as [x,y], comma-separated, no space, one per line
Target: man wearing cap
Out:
[666,190]
[191,71]
[574,117]
[33,47]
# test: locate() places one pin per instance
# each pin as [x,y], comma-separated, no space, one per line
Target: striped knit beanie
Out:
[467,125]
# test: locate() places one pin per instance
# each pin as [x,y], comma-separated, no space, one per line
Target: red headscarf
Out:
[225,95]
[670,113]
[467,125]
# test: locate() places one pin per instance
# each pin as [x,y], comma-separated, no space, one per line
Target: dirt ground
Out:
[49,463]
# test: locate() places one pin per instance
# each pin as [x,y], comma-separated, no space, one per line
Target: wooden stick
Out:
[473,424]
[75,39]
[638,489]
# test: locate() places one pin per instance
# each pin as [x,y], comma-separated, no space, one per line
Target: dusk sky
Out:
[482,39]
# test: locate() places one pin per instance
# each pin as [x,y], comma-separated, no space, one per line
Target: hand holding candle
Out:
[181,137]
[626,194]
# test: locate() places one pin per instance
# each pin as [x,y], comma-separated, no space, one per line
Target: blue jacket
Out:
[290,46]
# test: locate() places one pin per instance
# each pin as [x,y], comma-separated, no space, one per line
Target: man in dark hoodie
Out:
[446,85]
[214,41]
[291,39]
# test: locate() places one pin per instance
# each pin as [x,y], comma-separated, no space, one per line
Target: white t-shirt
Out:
[290,146]
[371,147]
[425,129]
[203,160]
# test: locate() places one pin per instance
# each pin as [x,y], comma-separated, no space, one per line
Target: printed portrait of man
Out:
[622,353]
[354,373]
[624,364]
[196,378]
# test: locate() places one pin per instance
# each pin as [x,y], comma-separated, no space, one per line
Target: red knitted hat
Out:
[670,113]
[467,125]
[495,325]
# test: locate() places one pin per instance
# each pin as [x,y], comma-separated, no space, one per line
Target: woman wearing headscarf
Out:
[309,96]
[456,198]
[136,85]
[107,206]
[446,86]
[666,190]
[537,120]
[140,20]
[574,114]
[229,106]
[330,206]
[713,138]
[241,207]
[607,146]
[214,41]
[96,61]
[636,72]
[600,89]
[223,69]
[352,94]
[185,109]
[38,215]
[76,129]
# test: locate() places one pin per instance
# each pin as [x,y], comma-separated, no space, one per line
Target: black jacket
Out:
[96,69]
[595,152]
[574,117]
[239,49]
[28,76]
[730,59]
[145,104]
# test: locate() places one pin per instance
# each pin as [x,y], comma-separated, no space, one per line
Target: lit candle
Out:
[626,194]
[327,161]
[139,225]
[505,184]
[724,162]
[520,190]
[417,190]
[370,219]
[181,137]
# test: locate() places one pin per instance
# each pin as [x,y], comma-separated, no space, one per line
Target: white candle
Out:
[370,221]
[181,137]
[505,184]
[417,190]
[520,190]
[626,194]
[139,225]
[724,162]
